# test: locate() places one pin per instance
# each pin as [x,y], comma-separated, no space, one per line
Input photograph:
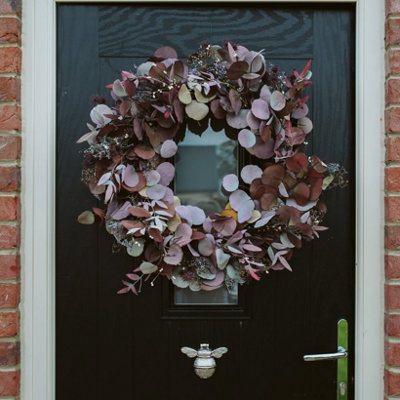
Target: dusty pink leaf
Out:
[174,255]
[237,121]
[121,212]
[250,172]
[183,234]
[263,150]
[246,138]
[131,178]
[166,52]
[206,247]
[152,177]
[305,124]
[252,121]
[277,101]
[238,198]
[300,112]
[225,226]
[246,211]
[217,281]
[156,192]
[144,152]
[260,109]
[230,182]
[167,173]
[168,149]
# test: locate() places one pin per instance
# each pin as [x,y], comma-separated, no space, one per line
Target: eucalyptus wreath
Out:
[274,204]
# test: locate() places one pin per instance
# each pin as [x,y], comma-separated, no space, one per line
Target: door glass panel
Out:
[219,296]
[201,163]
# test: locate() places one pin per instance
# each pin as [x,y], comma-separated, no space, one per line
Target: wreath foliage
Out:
[274,205]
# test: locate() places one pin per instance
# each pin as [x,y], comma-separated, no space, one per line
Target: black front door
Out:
[126,347]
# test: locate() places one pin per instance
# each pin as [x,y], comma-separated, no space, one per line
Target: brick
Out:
[8,324]
[393,62]
[9,295]
[392,354]
[10,147]
[9,208]
[392,324]
[9,383]
[10,118]
[392,267]
[393,91]
[10,59]
[10,30]
[9,236]
[392,119]
[9,266]
[392,208]
[392,383]
[392,6]
[392,237]
[9,179]
[392,296]
[393,149]
[10,89]
[10,6]
[9,353]
[392,179]
[392,34]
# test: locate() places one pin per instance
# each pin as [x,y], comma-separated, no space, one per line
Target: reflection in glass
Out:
[201,164]
[219,296]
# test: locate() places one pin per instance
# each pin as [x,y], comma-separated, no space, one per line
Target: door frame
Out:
[38,195]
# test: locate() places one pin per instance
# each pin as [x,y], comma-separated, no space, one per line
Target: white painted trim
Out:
[38,196]
[370,77]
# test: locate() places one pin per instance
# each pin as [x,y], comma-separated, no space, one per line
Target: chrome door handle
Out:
[341,356]
[341,353]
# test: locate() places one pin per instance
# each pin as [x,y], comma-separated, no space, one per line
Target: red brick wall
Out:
[392,200]
[10,151]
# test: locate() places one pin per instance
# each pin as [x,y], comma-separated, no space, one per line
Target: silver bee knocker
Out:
[204,364]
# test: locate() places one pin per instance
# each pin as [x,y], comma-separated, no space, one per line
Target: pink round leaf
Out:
[246,138]
[167,173]
[238,199]
[252,121]
[206,247]
[237,121]
[218,280]
[174,255]
[277,100]
[183,234]
[260,109]
[131,178]
[156,192]
[168,149]
[169,195]
[225,226]
[230,182]
[246,211]
[152,177]
[305,124]
[300,112]
[251,172]
[263,150]
[166,52]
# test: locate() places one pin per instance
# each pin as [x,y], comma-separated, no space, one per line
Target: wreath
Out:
[273,206]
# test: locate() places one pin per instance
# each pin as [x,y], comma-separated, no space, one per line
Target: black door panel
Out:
[124,347]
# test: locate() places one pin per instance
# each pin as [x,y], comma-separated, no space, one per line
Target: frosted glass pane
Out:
[201,163]
[219,296]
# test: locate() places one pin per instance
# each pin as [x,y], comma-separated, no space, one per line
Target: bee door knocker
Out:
[204,364]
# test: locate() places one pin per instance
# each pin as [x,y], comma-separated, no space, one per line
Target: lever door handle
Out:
[342,359]
[341,353]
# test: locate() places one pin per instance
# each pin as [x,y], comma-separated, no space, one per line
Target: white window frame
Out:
[38,196]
